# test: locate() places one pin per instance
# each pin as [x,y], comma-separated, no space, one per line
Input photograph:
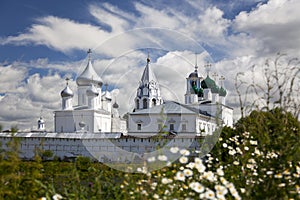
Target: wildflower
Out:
[184,152]
[43,198]
[236,162]
[174,149]
[209,176]
[253,142]
[151,159]
[225,145]
[155,196]
[246,148]
[166,180]
[180,176]
[209,194]
[221,190]
[197,187]
[162,158]
[220,172]
[57,197]
[232,152]
[183,159]
[200,167]
[269,172]
[190,165]
[243,190]
[188,172]
[281,185]
[278,175]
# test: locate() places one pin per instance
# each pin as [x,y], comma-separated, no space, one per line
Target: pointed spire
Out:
[196,66]
[89,52]
[67,81]
[148,74]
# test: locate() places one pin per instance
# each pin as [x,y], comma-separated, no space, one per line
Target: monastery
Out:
[94,128]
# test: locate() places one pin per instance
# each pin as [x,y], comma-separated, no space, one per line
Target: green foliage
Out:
[261,155]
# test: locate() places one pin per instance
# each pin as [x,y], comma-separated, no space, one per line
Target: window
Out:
[139,127]
[145,103]
[183,127]
[171,127]
[137,104]
[154,102]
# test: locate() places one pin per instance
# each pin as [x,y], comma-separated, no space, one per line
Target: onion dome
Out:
[115,105]
[222,92]
[89,76]
[193,75]
[215,89]
[67,92]
[92,91]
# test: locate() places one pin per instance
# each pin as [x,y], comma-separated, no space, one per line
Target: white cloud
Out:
[275,24]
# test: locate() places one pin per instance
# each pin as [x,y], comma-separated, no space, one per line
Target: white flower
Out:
[57,197]
[174,149]
[198,161]
[246,148]
[180,176]
[209,194]
[188,172]
[221,190]
[209,176]
[236,162]
[151,159]
[184,152]
[281,185]
[166,180]
[197,187]
[183,160]
[225,145]
[155,196]
[220,172]
[43,198]
[232,152]
[269,172]
[278,175]
[253,142]
[162,158]
[200,167]
[190,165]
[243,190]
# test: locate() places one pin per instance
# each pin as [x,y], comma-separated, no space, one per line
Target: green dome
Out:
[209,83]
[222,92]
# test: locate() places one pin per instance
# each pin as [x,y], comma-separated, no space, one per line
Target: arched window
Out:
[137,104]
[145,103]
[154,102]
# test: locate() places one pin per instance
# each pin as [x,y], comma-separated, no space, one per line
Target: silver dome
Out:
[67,92]
[89,76]
[92,91]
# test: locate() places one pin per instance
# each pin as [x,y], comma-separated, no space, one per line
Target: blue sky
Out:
[43,42]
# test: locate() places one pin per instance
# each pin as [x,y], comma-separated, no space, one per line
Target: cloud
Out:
[275,24]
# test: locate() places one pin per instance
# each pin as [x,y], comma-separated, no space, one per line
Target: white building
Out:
[94,112]
[203,110]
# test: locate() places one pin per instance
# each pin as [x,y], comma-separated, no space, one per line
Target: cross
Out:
[196,66]
[222,78]
[215,75]
[89,53]
[148,59]
[207,67]
[67,80]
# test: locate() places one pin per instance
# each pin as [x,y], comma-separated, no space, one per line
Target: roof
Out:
[148,74]
[171,107]
[78,135]
[88,76]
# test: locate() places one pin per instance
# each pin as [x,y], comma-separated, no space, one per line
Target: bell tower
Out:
[148,92]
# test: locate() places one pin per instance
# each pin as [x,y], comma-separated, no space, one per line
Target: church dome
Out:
[67,92]
[222,92]
[209,83]
[92,91]
[89,76]
[41,120]
[193,75]
[115,105]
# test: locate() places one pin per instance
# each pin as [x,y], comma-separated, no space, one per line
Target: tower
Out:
[148,92]
[84,81]
[67,96]
[194,92]
[41,124]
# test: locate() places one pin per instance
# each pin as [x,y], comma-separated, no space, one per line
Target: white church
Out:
[204,108]
[94,128]
[94,112]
